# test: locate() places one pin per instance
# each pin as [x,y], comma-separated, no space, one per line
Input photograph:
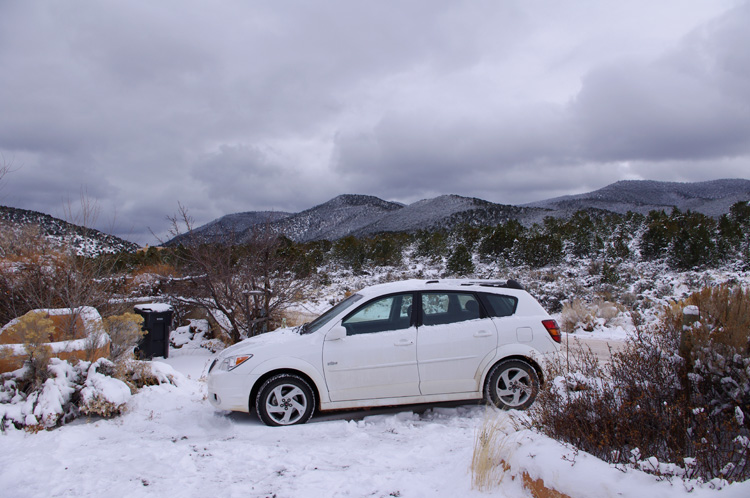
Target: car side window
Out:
[499,305]
[440,308]
[383,314]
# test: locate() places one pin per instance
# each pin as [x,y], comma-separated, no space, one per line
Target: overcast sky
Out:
[230,106]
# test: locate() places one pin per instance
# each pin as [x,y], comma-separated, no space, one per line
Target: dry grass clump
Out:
[487,465]
[578,314]
[137,374]
[102,407]
[160,269]
[724,316]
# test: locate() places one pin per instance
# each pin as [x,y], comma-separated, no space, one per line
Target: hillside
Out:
[334,219]
[712,198]
[364,215]
[230,228]
[84,240]
[446,211]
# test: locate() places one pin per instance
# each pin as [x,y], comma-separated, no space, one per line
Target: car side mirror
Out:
[336,333]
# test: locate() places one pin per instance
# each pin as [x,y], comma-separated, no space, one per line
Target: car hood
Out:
[279,336]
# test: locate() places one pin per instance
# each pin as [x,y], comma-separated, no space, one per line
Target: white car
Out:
[405,342]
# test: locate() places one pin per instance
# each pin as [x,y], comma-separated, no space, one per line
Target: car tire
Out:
[285,399]
[512,385]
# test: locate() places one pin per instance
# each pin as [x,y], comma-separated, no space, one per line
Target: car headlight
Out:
[231,362]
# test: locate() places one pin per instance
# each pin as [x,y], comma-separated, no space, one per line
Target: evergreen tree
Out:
[502,238]
[693,242]
[459,262]
[539,249]
[351,252]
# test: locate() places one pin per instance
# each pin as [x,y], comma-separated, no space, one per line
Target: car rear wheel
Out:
[285,399]
[512,385]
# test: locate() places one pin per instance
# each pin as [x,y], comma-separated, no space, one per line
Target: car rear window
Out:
[500,305]
[441,308]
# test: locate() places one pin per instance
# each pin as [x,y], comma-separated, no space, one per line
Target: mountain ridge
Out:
[364,215]
[85,241]
[229,228]
[712,198]
[333,219]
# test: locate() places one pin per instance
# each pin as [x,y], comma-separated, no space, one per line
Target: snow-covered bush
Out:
[39,407]
[137,374]
[675,394]
[720,395]
[102,394]
[72,390]
[200,333]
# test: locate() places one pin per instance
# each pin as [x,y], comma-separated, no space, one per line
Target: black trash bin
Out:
[157,322]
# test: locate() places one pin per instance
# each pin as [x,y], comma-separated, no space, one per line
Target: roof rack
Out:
[505,284]
[513,284]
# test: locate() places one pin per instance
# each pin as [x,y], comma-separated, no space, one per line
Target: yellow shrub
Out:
[34,330]
[124,332]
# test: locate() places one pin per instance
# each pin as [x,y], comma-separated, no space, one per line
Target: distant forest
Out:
[685,240]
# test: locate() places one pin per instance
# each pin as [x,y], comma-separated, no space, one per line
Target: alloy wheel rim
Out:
[286,404]
[514,387]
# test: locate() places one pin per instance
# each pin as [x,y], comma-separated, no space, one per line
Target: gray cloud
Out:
[631,118]
[238,106]
[692,103]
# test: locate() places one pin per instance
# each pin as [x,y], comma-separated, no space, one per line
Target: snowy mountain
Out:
[712,198]
[446,211]
[85,240]
[363,215]
[339,217]
[231,227]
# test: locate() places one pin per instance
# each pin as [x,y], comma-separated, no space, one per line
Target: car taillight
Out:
[552,329]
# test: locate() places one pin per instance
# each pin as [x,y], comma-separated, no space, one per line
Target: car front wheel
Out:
[285,399]
[512,385]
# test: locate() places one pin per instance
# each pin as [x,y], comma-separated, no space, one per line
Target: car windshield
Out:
[326,317]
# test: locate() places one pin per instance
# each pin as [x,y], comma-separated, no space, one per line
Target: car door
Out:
[378,356]
[455,341]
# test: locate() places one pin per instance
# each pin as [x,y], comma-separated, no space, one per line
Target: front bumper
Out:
[230,391]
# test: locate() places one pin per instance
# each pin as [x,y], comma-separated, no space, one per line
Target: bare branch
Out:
[6,167]
[247,285]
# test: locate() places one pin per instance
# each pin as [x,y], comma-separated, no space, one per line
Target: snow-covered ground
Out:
[171,442]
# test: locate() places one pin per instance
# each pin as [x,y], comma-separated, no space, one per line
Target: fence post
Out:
[690,315]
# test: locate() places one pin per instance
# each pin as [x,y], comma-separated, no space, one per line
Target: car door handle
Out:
[482,333]
[403,342]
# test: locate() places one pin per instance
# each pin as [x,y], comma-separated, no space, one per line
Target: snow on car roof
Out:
[414,284]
